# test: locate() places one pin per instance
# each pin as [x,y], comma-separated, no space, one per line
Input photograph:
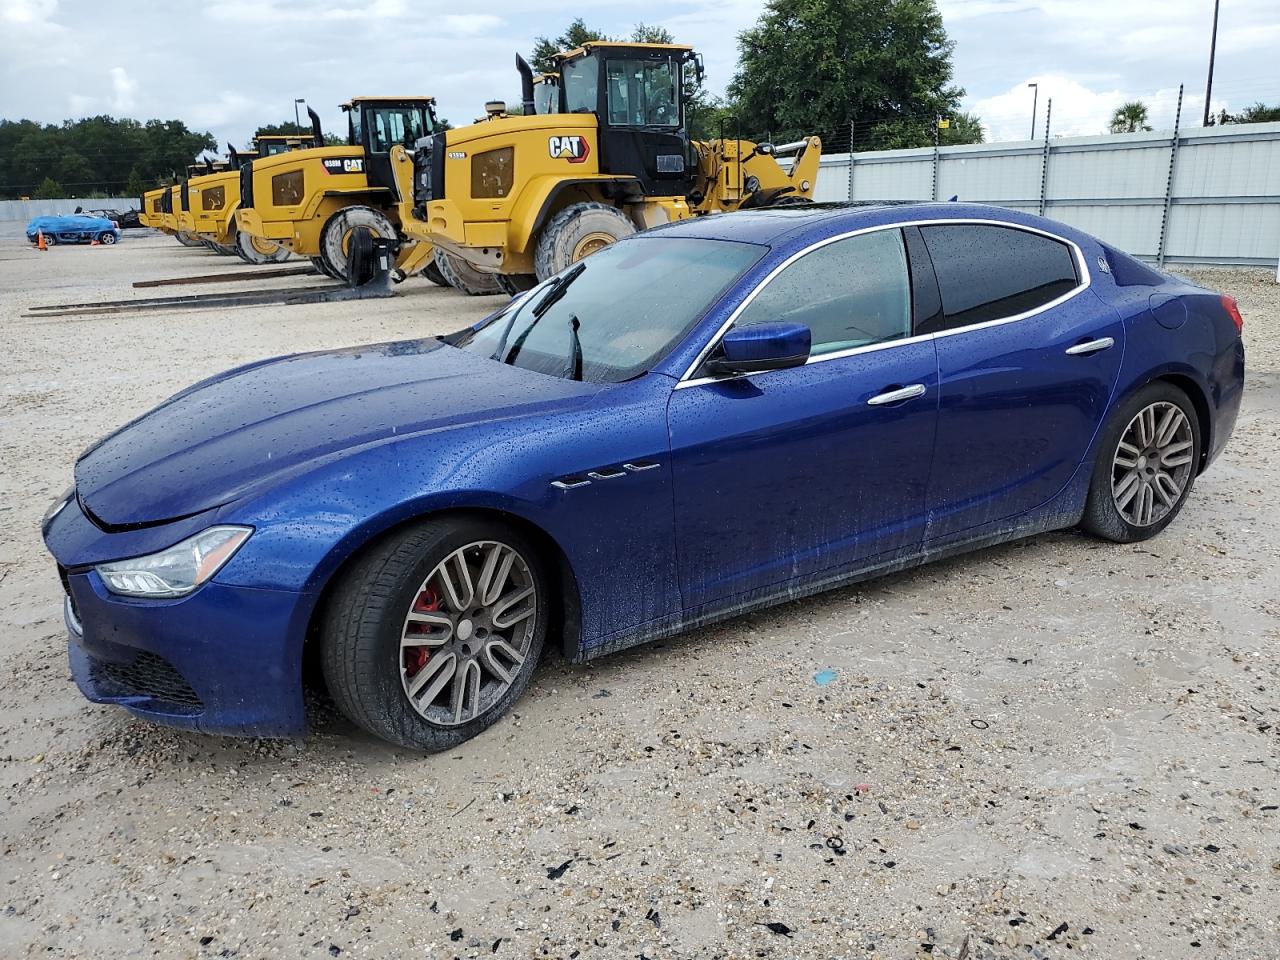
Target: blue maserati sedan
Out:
[698,421]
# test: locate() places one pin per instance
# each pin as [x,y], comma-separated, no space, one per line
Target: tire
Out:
[514,284]
[370,674]
[335,238]
[258,251]
[578,231]
[321,268]
[432,272]
[462,276]
[188,240]
[1130,498]
[107,237]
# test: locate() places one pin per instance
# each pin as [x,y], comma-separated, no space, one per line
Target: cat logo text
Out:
[574,148]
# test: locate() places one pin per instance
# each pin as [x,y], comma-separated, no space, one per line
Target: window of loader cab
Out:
[642,93]
[988,272]
[391,125]
[581,82]
[851,293]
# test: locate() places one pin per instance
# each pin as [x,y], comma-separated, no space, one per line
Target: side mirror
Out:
[762,346]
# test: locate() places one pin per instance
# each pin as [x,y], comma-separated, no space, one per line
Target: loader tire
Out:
[256,250]
[188,239]
[462,276]
[578,231]
[321,269]
[335,239]
[514,284]
[432,273]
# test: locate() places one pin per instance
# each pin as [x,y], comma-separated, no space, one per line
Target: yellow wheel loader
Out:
[150,212]
[522,197]
[214,198]
[310,201]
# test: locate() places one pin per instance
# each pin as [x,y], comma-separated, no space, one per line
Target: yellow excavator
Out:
[310,201]
[600,151]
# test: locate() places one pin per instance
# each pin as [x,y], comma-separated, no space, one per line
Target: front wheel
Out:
[435,632]
[432,272]
[576,232]
[335,238]
[259,250]
[1147,461]
[463,276]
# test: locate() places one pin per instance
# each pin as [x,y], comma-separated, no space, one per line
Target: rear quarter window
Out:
[987,272]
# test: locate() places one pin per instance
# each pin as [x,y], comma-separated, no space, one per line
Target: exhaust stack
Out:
[316,133]
[526,85]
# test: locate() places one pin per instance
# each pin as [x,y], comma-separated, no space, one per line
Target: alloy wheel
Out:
[468,633]
[1152,464]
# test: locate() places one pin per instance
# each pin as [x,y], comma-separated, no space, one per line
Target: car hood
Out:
[217,440]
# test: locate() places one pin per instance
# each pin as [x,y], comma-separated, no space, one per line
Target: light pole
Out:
[1213,47]
[1035,98]
[297,120]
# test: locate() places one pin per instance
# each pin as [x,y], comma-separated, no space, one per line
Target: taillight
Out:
[1233,311]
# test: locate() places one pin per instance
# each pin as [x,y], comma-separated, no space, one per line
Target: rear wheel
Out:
[435,632]
[335,239]
[578,231]
[259,250]
[462,276]
[514,284]
[432,272]
[1147,462]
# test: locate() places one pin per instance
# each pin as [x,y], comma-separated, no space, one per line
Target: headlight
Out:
[57,506]
[177,571]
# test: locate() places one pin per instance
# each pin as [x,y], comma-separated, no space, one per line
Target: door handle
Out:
[897,395]
[1090,346]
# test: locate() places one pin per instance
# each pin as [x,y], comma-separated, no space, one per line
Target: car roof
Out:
[775,226]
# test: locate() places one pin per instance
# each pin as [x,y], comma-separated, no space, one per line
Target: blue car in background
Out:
[73,228]
[696,422]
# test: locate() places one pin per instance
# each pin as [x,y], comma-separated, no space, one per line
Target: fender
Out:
[539,201]
[375,194]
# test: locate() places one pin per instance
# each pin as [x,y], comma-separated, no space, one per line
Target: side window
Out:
[988,272]
[851,293]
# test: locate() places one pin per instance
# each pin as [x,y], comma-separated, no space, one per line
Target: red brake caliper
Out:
[415,658]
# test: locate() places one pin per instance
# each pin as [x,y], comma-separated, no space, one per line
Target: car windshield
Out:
[612,316]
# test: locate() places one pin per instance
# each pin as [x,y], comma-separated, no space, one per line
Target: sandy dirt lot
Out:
[1053,748]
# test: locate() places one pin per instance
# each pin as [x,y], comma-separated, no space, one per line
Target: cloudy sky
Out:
[228,65]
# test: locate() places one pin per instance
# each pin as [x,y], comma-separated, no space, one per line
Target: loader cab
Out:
[546,93]
[636,90]
[376,124]
[271,144]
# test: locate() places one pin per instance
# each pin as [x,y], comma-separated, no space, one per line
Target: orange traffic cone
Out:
[40,244]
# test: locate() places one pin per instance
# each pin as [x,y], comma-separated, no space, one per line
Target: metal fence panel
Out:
[25,210]
[1224,198]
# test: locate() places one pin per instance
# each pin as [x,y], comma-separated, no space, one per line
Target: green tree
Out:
[1130,117]
[49,189]
[575,35]
[963,128]
[134,187]
[1258,113]
[812,67]
[646,33]
[290,129]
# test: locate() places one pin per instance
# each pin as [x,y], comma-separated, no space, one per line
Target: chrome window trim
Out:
[1086,279]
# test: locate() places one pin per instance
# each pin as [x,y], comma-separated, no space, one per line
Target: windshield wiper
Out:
[549,299]
[575,356]
[556,293]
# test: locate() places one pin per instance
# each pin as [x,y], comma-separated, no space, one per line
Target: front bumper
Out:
[223,660]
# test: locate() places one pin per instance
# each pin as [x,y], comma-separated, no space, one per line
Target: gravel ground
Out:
[1052,748]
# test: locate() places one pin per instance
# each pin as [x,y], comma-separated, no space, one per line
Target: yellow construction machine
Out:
[150,212]
[214,198]
[312,200]
[602,153]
